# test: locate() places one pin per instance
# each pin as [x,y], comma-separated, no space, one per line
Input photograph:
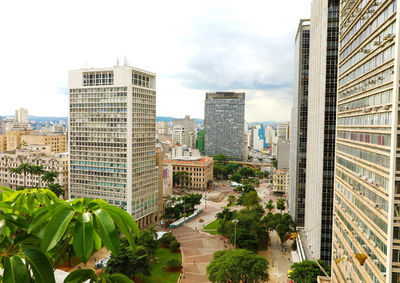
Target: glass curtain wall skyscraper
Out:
[112,121]
[367,174]
[298,135]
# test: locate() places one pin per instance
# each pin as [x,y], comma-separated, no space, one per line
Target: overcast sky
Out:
[193,46]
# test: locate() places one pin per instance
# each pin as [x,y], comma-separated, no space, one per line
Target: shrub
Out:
[166,239]
[174,246]
[173,264]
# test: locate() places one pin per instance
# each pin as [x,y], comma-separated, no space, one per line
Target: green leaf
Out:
[120,278]
[83,236]
[127,219]
[30,202]
[80,275]
[107,231]
[56,228]
[40,265]
[15,270]
[121,225]
[43,214]
[96,241]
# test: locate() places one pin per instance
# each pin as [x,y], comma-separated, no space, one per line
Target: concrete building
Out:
[2,126]
[160,170]
[367,186]
[283,155]
[283,131]
[112,123]
[162,128]
[298,129]
[184,131]
[280,181]
[199,169]
[57,142]
[224,125]
[258,137]
[12,140]
[324,35]
[168,171]
[269,134]
[21,116]
[34,155]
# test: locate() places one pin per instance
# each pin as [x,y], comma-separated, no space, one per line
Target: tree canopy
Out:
[237,266]
[308,271]
[251,199]
[129,262]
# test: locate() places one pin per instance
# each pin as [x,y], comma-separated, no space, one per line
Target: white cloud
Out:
[193,46]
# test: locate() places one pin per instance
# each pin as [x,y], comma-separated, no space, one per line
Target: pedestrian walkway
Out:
[197,249]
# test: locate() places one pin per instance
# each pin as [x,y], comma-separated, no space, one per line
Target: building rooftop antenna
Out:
[125,61]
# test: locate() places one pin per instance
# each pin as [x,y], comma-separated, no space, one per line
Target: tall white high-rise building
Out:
[112,122]
[21,116]
[283,131]
[367,169]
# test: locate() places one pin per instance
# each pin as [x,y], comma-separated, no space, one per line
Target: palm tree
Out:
[25,168]
[280,204]
[56,188]
[49,176]
[269,205]
[38,170]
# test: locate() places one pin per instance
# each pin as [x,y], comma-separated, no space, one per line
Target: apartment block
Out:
[283,131]
[12,140]
[224,125]
[57,142]
[298,129]
[112,123]
[184,131]
[367,170]
[199,170]
[280,181]
[35,155]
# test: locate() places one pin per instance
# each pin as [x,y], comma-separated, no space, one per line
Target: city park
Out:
[245,237]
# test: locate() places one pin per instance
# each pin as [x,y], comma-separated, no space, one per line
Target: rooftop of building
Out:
[124,66]
[225,95]
[46,134]
[189,160]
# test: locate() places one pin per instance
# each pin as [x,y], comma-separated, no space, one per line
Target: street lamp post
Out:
[235,221]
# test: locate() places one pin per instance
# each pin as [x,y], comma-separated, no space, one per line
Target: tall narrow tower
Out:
[112,122]
[298,135]
[324,36]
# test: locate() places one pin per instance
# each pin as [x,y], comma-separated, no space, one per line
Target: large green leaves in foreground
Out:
[83,275]
[37,229]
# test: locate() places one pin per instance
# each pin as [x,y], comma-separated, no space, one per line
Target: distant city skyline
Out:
[194,48]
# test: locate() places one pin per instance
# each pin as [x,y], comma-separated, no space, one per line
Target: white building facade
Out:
[112,138]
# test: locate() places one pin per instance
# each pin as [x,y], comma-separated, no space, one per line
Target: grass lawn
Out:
[229,205]
[157,272]
[212,226]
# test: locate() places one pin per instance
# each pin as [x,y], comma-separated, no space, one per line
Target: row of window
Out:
[384,118]
[384,97]
[378,139]
[367,66]
[367,31]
